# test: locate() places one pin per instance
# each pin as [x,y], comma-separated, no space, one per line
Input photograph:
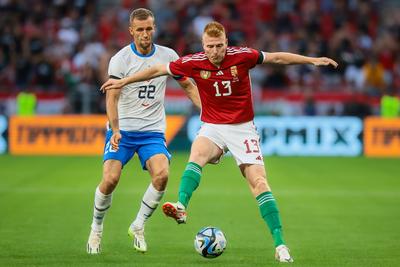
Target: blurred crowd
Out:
[64,46]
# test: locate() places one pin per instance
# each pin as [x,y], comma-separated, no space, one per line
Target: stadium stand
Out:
[60,50]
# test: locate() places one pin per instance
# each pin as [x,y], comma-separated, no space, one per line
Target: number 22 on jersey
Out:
[227,89]
[146,91]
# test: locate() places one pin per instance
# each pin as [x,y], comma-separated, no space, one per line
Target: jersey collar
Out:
[153,50]
[220,65]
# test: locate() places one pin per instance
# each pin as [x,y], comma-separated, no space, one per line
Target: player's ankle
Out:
[180,205]
[97,227]
[137,225]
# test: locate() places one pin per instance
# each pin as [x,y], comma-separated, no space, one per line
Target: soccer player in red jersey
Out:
[222,77]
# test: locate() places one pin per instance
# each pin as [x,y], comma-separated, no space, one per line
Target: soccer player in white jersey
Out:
[222,77]
[136,119]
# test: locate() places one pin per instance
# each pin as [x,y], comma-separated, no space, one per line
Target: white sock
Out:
[101,204]
[150,201]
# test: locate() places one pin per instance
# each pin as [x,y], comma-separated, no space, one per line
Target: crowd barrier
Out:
[283,136]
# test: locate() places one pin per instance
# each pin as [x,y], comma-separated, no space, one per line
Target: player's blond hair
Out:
[214,29]
[140,14]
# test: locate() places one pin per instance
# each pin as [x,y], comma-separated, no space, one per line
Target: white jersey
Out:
[141,104]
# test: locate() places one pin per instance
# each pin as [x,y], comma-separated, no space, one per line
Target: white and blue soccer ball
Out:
[210,242]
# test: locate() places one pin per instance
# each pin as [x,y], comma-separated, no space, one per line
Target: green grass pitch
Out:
[335,211]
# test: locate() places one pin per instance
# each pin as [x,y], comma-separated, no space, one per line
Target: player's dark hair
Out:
[214,29]
[140,14]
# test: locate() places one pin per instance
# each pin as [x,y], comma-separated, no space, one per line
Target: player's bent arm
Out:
[150,73]
[290,58]
[191,91]
[112,98]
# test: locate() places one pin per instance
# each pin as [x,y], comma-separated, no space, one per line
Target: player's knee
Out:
[160,179]
[199,156]
[260,185]
[111,180]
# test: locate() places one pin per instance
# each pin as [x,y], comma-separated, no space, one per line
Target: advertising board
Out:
[382,137]
[66,134]
[304,136]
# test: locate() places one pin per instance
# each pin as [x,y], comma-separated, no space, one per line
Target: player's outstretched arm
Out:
[150,73]
[290,58]
[191,91]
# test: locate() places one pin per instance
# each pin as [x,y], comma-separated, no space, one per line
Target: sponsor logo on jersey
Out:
[219,73]
[205,74]
[259,158]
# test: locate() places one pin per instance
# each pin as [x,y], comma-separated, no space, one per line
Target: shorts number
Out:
[227,85]
[147,91]
[255,147]
[109,148]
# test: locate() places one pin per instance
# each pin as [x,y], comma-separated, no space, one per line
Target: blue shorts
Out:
[145,144]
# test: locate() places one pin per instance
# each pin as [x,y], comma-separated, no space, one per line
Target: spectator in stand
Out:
[374,81]
[309,105]
[60,31]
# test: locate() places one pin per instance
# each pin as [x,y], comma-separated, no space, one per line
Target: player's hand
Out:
[114,140]
[324,61]
[112,84]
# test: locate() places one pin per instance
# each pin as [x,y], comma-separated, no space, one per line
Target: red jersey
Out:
[225,92]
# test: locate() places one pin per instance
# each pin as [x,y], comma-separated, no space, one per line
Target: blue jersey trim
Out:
[153,50]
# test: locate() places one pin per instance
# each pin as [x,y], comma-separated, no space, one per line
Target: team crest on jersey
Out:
[205,74]
[234,73]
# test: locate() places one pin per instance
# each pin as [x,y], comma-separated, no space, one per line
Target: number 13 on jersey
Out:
[227,89]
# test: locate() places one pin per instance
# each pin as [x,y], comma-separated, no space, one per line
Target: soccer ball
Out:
[210,242]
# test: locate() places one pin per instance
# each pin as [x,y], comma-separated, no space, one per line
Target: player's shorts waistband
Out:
[251,122]
[139,134]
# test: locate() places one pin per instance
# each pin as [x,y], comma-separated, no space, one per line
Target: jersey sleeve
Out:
[254,57]
[179,68]
[115,68]
[174,57]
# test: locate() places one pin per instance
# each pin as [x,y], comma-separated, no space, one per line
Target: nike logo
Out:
[145,105]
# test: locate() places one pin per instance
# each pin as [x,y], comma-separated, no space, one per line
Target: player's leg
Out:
[243,142]
[103,196]
[202,152]
[256,178]
[154,157]
[112,166]
[158,167]
[102,202]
